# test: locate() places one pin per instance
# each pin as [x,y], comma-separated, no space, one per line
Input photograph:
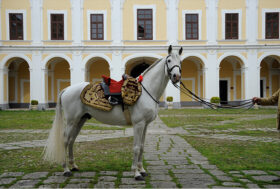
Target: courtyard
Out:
[185,148]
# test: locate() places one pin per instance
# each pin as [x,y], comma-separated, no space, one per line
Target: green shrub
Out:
[215,99]
[34,102]
[169,99]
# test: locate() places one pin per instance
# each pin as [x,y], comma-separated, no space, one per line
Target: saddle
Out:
[110,92]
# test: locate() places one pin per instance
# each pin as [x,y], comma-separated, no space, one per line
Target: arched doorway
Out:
[136,66]
[18,83]
[269,75]
[231,82]
[193,79]
[95,68]
[58,78]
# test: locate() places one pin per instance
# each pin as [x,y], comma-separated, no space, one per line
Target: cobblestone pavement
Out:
[171,163]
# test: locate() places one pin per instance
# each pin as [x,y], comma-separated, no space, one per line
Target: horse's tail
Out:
[54,151]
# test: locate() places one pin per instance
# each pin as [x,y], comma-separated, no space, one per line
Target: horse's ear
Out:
[181,50]
[169,49]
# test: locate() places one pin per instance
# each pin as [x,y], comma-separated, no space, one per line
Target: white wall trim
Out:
[136,55]
[135,7]
[193,84]
[242,58]
[13,55]
[266,54]
[224,12]
[105,21]
[264,11]
[184,12]
[22,81]
[228,85]
[48,58]
[64,12]
[8,23]
[58,85]
[96,55]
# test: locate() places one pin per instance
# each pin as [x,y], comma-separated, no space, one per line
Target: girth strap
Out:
[127,115]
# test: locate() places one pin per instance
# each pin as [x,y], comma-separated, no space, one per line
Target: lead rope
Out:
[149,93]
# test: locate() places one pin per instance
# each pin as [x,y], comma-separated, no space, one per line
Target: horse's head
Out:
[173,65]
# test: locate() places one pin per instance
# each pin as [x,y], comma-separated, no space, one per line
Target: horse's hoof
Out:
[139,178]
[75,169]
[144,174]
[67,174]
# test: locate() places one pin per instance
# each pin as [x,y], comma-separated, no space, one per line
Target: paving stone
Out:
[276,172]
[107,178]
[163,184]
[85,174]
[105,185]
[252,186]
[238,175]
[161,177]
[131,181]
[191,166]
[226,187]
[181,162]
[77,180]
[231,184]
[272,186]
[265,178]
[6,180]
[245,180]
[25,184]
[223,178]
[35,175]
[254,172]
[216,172]
[206,166]
[160,167]
[157,171]
[58,174]
[234,172]
[155,162]
[128,174]
[49,186]
[55,179]
[108,172]
[78,185]
[12,174]
[187,171]
[132,186]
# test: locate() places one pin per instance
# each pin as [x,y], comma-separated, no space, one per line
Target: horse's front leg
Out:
[140,160]
[138,130]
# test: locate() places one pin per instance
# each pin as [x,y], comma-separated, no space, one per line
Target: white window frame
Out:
[64,12]
[23,12]
[135,8]
[104,12]
[184,12]
[264,11]
[232,11]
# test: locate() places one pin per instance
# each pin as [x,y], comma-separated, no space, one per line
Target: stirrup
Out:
[113,100]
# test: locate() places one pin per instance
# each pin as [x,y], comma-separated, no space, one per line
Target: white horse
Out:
[66,128]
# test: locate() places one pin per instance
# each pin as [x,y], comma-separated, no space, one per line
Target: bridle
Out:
[169,70]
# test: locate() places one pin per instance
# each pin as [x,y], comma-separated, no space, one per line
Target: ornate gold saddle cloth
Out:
[93,94]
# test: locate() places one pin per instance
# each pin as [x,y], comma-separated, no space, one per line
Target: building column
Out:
[116,21]
[212,76]
[77,14]
[211,21]
[117,68]
[4,88]
[37,81]
[252,21]
[252,75]
[172,24]
[76,69]
[0,25]
[36,21]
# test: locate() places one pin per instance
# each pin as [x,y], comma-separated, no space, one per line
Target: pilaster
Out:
[172,21]
[117,68]
[211,21]
[76,8]
[36,28]
[76,69]
[4,86]
[252,75]
[116,21]
[0,24]
[252,21]
[211,76]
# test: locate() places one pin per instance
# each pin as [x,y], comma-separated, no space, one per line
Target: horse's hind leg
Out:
[140,159]
[75,133]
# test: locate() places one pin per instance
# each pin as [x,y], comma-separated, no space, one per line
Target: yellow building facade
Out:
[47,45]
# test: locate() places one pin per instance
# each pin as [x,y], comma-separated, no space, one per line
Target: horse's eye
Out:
[168,61]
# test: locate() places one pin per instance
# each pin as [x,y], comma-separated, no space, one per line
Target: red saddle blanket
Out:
[114,86]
